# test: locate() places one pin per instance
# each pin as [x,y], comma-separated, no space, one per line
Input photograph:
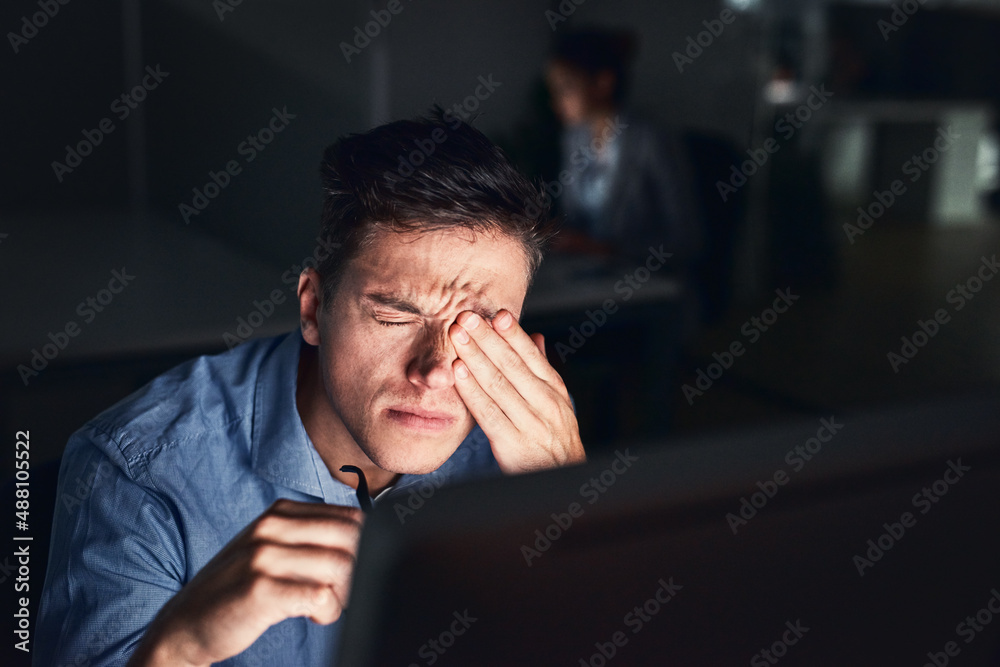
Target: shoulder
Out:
[476,454]
[647,136]
[200,398]
[472,460]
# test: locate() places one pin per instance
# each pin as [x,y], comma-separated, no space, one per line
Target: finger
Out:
[499,371]
[511,361]
[298,508]
[341,530]
[290,598]
[539,341]
[319,567]
[496,424]
[506,326]
[331,567]
[530,348]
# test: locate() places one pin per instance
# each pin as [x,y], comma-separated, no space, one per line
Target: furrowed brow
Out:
[404,306]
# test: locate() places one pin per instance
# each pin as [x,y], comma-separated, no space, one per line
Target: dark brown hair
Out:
[432,173]
[594,50]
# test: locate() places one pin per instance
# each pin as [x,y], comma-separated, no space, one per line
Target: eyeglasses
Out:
[363,498]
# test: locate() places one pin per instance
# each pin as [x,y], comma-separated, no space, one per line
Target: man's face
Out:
[385,356]
[577,96]
[568,88]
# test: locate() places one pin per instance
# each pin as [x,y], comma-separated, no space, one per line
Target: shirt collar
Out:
[282,452]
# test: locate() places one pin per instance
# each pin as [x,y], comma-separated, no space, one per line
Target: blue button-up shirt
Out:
[151,489]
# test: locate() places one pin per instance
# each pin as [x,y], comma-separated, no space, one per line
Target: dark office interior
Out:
[842,161]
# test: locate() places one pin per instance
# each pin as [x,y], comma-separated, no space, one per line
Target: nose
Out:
[430,363]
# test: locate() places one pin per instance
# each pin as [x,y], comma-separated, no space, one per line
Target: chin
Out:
[412,454]
[403,463]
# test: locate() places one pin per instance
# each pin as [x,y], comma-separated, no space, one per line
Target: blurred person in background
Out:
[631,182]
[628,186]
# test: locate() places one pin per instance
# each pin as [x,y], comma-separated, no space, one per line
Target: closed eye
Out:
[392,324]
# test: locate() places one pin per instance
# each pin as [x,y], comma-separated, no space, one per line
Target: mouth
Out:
[420,420]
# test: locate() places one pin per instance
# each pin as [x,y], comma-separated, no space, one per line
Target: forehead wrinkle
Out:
[424,281]
[450,297]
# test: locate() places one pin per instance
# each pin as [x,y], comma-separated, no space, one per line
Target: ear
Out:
[310,293]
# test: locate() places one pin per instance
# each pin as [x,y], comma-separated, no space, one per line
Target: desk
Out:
[189,287]
[572,284]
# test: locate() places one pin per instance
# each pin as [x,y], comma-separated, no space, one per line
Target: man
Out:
[218,525]
[627,187]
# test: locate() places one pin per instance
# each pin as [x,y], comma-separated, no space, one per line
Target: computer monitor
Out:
[848,539]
